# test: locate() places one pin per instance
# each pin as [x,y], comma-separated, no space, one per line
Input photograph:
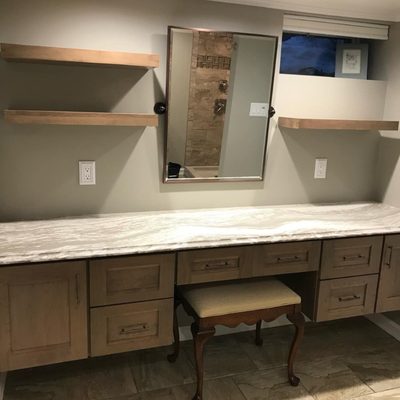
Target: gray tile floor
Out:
[341,360]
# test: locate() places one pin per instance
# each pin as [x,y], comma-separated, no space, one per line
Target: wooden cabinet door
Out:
[43,313]
[389,284]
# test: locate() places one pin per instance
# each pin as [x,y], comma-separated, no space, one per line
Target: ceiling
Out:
[379,10]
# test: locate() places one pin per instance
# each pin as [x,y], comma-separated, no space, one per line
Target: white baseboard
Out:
[386,324]
[3,376]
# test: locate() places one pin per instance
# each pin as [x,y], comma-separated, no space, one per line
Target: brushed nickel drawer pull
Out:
[388,256]
[136,328]
[288,259]
[349,298]
[219,265]
[77,290]
[352,257]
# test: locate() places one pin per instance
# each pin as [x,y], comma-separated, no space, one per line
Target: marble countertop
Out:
[145,232]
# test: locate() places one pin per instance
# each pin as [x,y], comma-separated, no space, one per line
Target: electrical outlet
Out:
[87,172]
[321,165]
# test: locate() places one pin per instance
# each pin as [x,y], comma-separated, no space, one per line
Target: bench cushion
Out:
[236,297]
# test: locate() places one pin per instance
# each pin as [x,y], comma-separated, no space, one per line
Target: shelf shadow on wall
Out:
[389,154]
[69,88]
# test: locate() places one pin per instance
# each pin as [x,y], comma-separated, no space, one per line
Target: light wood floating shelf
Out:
[337,124]
[44,54]
[79,118]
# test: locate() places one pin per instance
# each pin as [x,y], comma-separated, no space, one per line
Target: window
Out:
[310,54]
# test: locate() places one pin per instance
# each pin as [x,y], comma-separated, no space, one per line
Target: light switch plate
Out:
[321,165]
[87,172]
[259,109]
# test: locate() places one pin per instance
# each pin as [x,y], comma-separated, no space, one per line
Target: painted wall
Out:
[387,66]
[38,164]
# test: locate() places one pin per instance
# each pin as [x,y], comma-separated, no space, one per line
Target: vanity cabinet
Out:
[210,265]
[131,302]
[43,310]
[286,258]
[389,283]
[348,277]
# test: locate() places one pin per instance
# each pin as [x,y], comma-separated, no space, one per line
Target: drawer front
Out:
[127,327]
[351,257]
[286,258]
[127,279]
[346,297]
[214,265]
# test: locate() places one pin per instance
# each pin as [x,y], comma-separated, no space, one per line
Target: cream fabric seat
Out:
[236,297]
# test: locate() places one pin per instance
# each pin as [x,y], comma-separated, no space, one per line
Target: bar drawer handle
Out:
[77,290]
[219,265]
[288,259]
[388,256]
[349,298]
[352,257]
[136,328]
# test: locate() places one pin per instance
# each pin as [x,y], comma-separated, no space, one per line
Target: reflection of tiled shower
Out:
[209,86]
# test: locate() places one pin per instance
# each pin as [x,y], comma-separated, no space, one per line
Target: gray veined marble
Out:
[144,232]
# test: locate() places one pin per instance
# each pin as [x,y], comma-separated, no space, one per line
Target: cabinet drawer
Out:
[127,279]
[285,258]
[214,265]
[351,257]
[127,327]
[346,297]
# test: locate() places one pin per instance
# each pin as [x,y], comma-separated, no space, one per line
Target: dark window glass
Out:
[309,55]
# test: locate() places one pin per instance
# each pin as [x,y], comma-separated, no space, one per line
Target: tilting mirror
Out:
[219,94]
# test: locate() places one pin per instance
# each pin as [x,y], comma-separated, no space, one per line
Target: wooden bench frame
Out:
[204,328]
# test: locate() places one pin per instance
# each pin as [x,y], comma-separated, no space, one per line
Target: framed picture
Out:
[352,61]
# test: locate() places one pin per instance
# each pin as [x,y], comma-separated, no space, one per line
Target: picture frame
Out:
[352,60]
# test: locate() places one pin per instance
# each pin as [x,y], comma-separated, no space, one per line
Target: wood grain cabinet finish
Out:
[128,279]
[351,257]
[389,283]
[126,327]
[346,297]
[210,265]
[43,311]
[285,258]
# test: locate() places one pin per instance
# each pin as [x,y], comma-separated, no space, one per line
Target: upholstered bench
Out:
[230,304]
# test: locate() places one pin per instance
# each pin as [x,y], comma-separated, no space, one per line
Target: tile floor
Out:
[341,360]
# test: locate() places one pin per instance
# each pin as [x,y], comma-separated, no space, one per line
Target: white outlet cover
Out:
[87,172]
[259,109]
[321,165]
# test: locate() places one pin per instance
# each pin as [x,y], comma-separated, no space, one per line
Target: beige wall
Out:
[38,164]
[387,66]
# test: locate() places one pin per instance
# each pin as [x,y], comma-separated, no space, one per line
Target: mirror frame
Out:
[167,94]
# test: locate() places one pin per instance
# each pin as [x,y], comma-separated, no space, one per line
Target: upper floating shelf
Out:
[37,117]
[44,54]
[338,124]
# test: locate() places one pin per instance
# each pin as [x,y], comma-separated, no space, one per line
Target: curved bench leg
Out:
[298,320]
[258,341]
[200,338]
[172,357]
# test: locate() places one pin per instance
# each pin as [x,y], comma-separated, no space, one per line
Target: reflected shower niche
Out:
[219,105]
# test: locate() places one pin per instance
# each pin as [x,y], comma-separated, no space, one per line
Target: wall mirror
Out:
[219,93]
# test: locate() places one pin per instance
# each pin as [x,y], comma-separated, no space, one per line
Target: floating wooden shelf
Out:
[337,124]
[79,118]
[43,54]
